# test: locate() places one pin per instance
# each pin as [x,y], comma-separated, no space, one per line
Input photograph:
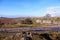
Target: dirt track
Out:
[30,29]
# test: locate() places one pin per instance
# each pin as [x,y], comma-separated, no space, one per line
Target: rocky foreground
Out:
[30,33]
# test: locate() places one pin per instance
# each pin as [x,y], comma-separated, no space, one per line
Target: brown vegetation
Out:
[35,36]
[26,22]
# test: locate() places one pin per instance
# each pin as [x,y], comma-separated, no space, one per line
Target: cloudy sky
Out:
[31,8]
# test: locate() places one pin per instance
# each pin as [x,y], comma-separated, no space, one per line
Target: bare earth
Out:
[49,28]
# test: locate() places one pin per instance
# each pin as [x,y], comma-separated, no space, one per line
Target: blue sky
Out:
[31,8]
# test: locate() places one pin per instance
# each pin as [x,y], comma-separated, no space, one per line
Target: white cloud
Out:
[54,11]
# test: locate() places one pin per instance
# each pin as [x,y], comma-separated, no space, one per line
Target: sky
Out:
[29,8]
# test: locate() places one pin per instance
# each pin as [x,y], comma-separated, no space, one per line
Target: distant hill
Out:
[10,20]
[14,20]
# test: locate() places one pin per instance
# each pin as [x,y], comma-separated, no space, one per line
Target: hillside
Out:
[29,22]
